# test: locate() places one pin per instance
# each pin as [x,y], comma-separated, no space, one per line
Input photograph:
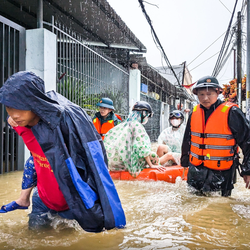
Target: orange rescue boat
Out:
[147,174]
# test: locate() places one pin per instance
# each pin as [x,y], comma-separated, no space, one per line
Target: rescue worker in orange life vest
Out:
[213,132]
[105,119]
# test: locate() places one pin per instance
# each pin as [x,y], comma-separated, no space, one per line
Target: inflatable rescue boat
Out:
[168,175]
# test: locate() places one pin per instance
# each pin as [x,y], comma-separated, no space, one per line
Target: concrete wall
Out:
[41,51]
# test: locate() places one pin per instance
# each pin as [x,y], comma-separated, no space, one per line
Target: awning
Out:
[95,20]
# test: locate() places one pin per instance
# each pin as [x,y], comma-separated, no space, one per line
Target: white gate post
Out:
[41,55]
[134,87]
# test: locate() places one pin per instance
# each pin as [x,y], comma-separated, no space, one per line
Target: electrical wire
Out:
[207,48]
[225,56]
[218,62]
[205,60]
[225,7]
[152,4]
[243,10]
[157,41]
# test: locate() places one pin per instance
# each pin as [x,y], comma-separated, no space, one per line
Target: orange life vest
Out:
[104,128]
[118,116]
[212,143]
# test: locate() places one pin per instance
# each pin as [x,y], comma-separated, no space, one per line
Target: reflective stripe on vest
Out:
[212,144]
[202,146]
[104,128]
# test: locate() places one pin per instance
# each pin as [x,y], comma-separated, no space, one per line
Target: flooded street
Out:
[159,215]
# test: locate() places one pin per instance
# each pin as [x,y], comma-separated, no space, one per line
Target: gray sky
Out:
[185,29]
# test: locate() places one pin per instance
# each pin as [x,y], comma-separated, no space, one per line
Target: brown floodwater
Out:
[159,215]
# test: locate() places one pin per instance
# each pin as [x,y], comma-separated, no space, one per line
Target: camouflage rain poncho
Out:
[127,144]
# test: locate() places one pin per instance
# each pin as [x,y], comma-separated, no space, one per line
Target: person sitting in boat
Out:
[170,140]
[128,145]
[105,119]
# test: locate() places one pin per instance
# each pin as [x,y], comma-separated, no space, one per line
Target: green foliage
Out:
[76,93]
[118,98]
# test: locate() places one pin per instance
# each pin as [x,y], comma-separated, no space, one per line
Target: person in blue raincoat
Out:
[69,156]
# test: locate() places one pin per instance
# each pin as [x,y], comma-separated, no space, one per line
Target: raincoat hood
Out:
[74,150]
[25,91]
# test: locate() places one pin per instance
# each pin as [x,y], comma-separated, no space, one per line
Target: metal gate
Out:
[153,125]
[85,75]
[164,123]
[12,60]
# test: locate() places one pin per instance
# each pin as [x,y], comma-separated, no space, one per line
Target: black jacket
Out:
[74,150]
[240,130]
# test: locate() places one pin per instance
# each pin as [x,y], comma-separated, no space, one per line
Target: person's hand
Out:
[246,179]
[158,167]
[12,122]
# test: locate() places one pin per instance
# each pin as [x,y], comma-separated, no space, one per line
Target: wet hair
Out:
[133,62]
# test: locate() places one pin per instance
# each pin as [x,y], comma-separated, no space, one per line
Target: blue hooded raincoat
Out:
[74,150]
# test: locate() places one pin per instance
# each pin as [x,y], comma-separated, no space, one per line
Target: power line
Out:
[152,4]
[156,40]
[206,48]
[205,60]
[225,7]
[218,62]
[225,56]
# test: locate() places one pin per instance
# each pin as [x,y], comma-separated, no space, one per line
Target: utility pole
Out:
[239,59]
[183,73]
[234,63]
[39,13]
[248,63]
[182,83]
